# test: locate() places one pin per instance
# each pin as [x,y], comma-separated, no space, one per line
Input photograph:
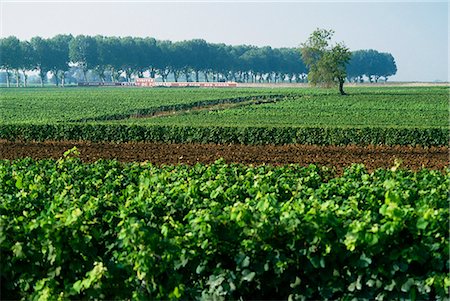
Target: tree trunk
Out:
[186,74]
[102,76]
[41,76]
[25,77]
[112,75]
[196,76]
[8,84]
[240,76]
[84,75]
[128,74]
[17,78]
[341,86]
[55,75]
[164,74]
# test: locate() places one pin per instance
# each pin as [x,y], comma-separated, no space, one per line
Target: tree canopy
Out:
[113,59]
[371,64]
[326,63]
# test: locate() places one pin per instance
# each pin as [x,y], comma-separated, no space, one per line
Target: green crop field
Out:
[52,105]
[136,231]
[378,107]
[375,115]
[364,107]
[135,169]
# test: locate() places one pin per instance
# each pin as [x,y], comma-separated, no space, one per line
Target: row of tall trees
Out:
[113,57]
[41,55]
[371,64]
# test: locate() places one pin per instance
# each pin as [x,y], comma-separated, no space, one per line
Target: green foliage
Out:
[12,56]
[10,53]
[41,56]
[372,64]
[135,56]
[107,230]
[326,63]
[378,107]
[399,107]
[226,135]
[83,51]
[404,116]
[56,106]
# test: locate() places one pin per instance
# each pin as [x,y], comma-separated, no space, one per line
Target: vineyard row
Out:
[224,135]
[136,231]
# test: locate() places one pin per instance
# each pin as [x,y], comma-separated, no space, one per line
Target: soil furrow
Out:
[159,153]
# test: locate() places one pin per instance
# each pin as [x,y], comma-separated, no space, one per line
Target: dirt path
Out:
[159,153]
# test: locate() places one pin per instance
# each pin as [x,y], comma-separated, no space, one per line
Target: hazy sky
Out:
[416,33]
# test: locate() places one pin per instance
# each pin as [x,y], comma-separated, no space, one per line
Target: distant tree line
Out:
[120,59]
[371,64]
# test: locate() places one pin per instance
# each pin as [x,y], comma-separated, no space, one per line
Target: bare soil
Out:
[338,157]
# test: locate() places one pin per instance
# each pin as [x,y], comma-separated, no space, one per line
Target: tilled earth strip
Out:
[159,153]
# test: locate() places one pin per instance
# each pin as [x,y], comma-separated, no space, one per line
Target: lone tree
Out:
[326,63]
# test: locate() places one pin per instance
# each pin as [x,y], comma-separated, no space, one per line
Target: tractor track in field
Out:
[338,157]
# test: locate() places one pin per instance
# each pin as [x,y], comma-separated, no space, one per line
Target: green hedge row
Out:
[225,135]
[111,231]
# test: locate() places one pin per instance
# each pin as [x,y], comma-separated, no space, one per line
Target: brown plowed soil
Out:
[159,153]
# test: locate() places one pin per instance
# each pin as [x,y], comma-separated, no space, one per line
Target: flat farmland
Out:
[384,116]
[50,105]
[411,107]
[215,194]
[364,107]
